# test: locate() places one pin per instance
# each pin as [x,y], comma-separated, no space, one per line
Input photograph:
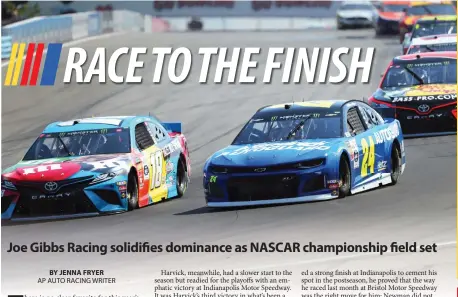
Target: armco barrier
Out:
[247,23]
[64,28]
[6,46]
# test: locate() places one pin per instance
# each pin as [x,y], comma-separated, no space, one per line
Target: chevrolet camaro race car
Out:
[430,26]
[97,166]
[388,17]
[420,91]
[305,151]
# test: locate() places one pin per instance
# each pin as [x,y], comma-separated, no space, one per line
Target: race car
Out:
[430,26]
[389,15]
[355,14]
[436,43]
[93,166]
[419,9]
[420,91]
[305,151]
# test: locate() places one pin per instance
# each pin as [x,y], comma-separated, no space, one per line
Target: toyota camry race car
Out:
[96,166]
[305,151]
[420,91]
[430,26]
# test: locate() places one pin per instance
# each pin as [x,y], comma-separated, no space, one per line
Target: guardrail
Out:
[6,46]
[64,28]
[180,24]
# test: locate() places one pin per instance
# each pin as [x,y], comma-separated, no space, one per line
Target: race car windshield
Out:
[432,9]
[356,7]
[80,143]
[393,8]
[412,74]
[437,28]
[441,47]
[275,129]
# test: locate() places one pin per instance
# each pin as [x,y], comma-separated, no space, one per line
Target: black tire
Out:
[396,163]
[181,178]
[344,178]
[132,192]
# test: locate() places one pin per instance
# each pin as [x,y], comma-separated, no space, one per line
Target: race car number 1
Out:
[368,156]
[156,169]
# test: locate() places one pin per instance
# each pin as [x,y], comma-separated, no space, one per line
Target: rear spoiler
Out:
[172,127]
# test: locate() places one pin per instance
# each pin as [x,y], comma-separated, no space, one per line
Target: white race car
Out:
[356,14]
[436,43]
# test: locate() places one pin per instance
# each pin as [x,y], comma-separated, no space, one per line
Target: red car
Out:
[420,91]
[417,9]
[389,15]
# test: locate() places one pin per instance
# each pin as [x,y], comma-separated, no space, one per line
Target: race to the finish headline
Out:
[176,65]
[252,247]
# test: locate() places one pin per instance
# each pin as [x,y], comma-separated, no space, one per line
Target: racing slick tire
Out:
[181,178]
[396,161]
[132,192]
[344,178]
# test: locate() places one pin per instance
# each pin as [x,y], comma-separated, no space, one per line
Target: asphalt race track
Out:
[422,207]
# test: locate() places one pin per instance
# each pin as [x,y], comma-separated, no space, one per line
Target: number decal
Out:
[156,170]
[368,156]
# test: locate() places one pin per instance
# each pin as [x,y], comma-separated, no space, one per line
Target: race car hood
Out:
[434,92]
[63,168]
[388,15]
[354,14]
[273,153]
[410,20]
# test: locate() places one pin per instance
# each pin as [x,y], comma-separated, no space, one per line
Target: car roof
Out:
[314,106]
[423,3]
[94,123]
[440,18]
[417,56]
[436,39]
[392,2]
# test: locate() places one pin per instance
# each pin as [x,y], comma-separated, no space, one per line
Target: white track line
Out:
[74,42]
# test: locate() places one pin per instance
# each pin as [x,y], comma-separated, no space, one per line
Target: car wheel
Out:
[396,161]
[344,178]
[340,26]
[132,192]
[181,178]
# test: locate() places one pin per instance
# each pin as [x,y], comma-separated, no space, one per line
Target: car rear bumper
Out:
[388,26]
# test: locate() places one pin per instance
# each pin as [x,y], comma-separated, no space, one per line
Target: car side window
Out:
[143,137]
[157,133]
[369,117]
[354,123]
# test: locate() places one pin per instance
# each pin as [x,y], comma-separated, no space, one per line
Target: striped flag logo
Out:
[32,64]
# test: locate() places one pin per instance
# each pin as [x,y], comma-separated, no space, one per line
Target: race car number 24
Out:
[156,169]
[368,156]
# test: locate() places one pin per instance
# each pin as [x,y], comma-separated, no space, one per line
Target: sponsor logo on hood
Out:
[281,146]
[424,98]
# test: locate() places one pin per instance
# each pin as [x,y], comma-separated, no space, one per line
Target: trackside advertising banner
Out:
[228,163]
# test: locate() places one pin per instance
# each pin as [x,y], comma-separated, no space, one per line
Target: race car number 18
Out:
[368,156]
[156,170]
